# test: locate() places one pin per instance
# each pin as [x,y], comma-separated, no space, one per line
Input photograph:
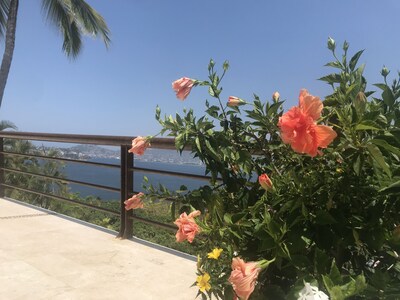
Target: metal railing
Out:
[126,168]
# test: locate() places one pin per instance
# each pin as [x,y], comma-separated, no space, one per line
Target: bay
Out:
[111,177]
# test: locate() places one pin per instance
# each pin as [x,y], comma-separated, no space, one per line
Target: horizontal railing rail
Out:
[126,168]
[93,185]
[105,140]
[61,159]
[62,199]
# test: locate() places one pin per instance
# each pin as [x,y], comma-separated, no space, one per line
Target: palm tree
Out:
[73,18]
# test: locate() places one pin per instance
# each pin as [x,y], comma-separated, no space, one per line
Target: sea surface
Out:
[111,177]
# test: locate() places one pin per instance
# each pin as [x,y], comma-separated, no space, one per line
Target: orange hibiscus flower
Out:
[300,130]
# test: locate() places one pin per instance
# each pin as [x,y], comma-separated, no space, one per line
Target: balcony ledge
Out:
[44,255]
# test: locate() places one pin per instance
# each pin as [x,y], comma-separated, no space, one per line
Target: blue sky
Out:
[271,45]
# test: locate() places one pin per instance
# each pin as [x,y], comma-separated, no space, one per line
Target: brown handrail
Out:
[127,168]
[107,140]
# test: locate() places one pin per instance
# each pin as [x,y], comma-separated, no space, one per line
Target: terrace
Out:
[46,255]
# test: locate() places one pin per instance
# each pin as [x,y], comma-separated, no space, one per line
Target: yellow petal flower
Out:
[215,253]
[203,282]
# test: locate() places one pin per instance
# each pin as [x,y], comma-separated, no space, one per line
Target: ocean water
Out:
[111,177]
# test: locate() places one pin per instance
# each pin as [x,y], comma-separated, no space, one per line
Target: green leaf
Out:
[228,219]
[336,293]
[385,145]
[216,80]
[331,78]
[324,218]
[271,292]
[211,150]
[360,70]
[179,120]
[213,111]
[388,97]
[380,279]
[173,210]
[211,91]
[237,217]
[300,261]
[236,234]
[274,108]
[393,188]
[349,289]
[354,60]
[321,261]
[378,157]
[334,64]
[267,242]
[198,145]
[334,274]
[360,284]
[180,141]
[327,282]
[368,125]
[382,86]
[367,94]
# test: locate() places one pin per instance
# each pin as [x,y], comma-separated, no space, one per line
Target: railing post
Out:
[1,167]
[126,190]
[128,233]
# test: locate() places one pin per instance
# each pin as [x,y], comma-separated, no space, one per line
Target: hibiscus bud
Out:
[331,44]
[235,101]
[211,65]
[360,102]
[275,96]
[134,202]
[345,45]
[265,182]
[385,71]
[225,66]
[139,145]
[198,262]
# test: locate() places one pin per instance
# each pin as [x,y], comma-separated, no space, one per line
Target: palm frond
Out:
[4,6]
[59,13]
[56,11]
[72,39]
[74,18]
[90,20]
[7,125]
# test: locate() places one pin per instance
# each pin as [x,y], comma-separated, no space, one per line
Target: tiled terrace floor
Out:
[45,256]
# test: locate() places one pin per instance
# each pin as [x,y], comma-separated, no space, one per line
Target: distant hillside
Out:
[168,156]
[94,151]
[86,152]
[151,154]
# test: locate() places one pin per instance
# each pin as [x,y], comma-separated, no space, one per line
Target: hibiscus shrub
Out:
[302,203]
